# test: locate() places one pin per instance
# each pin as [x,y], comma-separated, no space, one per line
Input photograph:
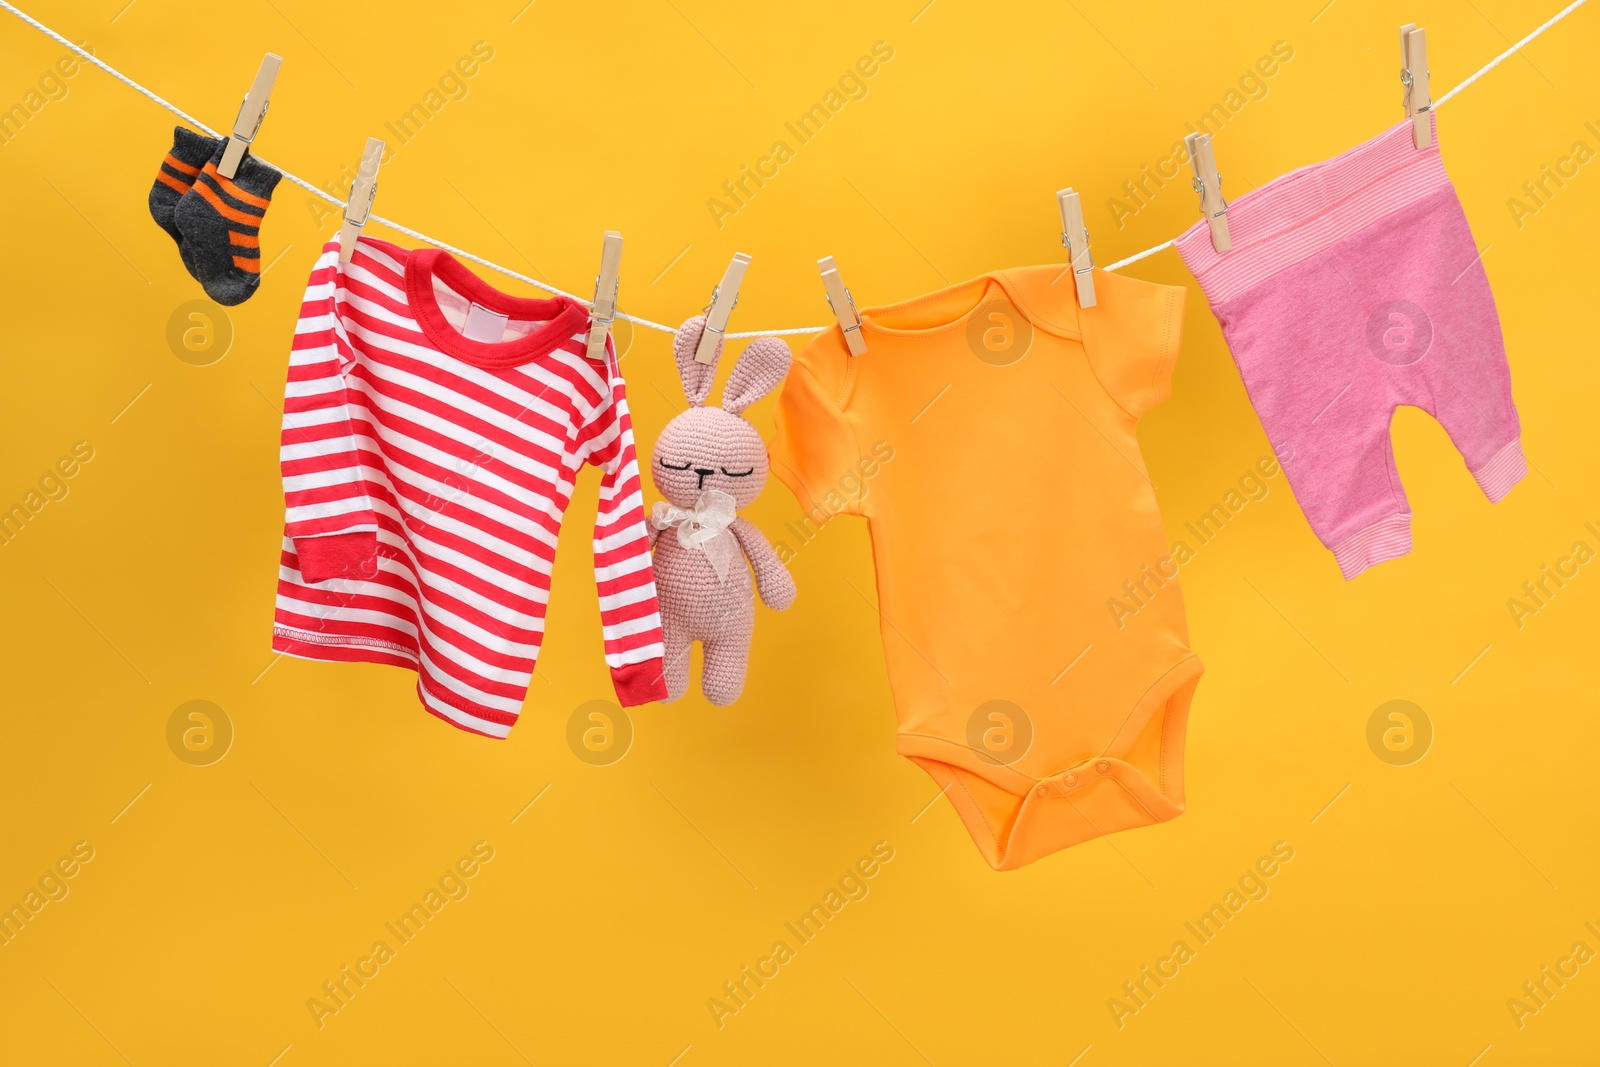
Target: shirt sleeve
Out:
[328,513]
[814,447]
[630,617]
[1132,336]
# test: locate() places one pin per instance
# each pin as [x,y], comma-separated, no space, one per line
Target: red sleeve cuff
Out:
[347,555]
[639,683]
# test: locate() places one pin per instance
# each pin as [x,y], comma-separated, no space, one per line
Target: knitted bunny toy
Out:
[708,463]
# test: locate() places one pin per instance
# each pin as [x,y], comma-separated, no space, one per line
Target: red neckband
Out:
[566,316]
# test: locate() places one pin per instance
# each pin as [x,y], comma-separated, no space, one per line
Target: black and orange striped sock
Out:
[189,153]
[220,220]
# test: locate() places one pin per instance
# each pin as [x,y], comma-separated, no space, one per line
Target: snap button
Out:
[1071,779]
[1102,766]
[1042,791]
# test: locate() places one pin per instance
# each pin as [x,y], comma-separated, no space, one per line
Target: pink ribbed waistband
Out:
[1292,218]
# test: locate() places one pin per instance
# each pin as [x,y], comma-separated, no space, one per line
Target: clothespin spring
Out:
[716,291]
[366,209]
[616,291]
[1066,242]
[1406,81]
[1200,188]
[600,319]
[243,105]
[854,323]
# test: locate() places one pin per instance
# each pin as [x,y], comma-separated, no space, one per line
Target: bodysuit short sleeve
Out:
[814,446]
[1131,336]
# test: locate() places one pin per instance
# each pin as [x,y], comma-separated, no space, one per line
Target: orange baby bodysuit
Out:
[1005,530]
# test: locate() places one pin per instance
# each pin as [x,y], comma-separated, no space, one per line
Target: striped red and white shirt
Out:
[426,473]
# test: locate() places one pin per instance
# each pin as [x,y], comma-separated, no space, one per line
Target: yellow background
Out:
[616,906]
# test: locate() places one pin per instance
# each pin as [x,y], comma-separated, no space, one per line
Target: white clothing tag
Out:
[484,325]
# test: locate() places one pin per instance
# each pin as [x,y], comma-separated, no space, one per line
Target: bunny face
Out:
[708,448]
[715,448]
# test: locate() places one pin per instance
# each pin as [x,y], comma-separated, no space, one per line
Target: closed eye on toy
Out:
[738,474]
[676,467]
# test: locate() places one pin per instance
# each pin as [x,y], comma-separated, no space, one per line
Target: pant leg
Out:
[1299,342]
[1461,379]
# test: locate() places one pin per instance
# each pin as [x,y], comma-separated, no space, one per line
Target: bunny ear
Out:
[696,376]
[761,369]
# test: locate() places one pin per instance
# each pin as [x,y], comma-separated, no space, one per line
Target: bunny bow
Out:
[703,527]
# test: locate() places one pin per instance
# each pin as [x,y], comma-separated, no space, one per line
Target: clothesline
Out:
[647,323]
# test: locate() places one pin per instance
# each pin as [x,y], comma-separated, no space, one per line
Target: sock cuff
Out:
[253,176]
[192,148]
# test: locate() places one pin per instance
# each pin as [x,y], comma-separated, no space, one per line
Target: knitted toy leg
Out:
[722,674]
[675,665]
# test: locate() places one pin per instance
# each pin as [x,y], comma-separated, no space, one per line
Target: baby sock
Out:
[189,153]
[220,220]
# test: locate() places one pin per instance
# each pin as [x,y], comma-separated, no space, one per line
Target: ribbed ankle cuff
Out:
[1382,541]
[1508,467]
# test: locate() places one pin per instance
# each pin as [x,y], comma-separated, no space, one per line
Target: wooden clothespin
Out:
[843,305]
[606,287]
[362,192]
[251,112]
[1208,183]
[1414,76]
[723,298]
[1076,239]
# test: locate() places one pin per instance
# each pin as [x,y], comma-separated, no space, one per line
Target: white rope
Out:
[1137,256]
[1509,52]
[647,323]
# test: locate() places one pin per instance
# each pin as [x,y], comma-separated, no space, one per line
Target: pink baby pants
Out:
[1353,287]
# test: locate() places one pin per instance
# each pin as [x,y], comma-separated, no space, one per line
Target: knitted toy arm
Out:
[773,580]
